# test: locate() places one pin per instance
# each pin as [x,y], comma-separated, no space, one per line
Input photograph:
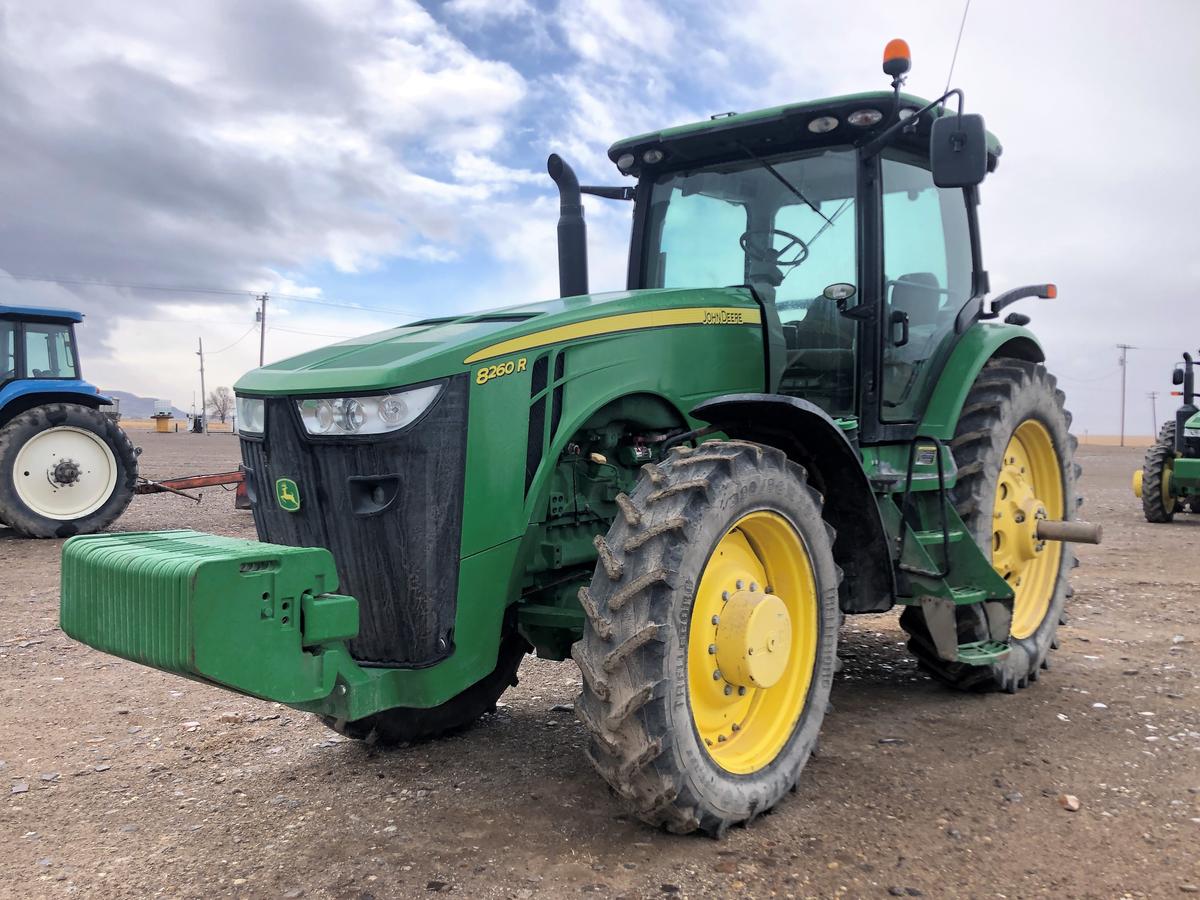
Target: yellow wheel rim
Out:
[752,643]
[1168,501]
[1029,488]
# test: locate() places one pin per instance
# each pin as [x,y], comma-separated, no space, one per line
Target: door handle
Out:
[899,317]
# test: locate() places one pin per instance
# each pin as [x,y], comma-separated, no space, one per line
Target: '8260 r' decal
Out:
[499,370]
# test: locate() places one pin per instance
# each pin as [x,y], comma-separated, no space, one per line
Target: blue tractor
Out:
[66,468]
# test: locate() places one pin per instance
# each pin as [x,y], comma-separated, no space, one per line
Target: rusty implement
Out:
[181,486]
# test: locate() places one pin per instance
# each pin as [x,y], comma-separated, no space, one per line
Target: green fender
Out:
[978,344]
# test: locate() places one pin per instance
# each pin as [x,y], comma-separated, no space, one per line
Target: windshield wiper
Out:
[787,184]
[837,212]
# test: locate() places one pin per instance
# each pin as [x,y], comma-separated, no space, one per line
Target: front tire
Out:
[1015,458]
[1157,503]
[65,469]
[711,637]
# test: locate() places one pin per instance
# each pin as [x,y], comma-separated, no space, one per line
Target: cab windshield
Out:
[784,225]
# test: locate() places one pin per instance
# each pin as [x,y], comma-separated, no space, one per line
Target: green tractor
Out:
[801,408]
[1169,480]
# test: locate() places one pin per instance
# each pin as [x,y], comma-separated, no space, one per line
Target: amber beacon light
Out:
[897,59]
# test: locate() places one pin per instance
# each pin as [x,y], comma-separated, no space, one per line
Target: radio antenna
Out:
[954,58]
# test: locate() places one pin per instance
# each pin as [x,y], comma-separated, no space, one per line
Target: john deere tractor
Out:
[803,406]
[66,467]
[1169,480]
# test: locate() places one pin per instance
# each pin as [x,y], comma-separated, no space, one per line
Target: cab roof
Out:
[763,130]
[42,313]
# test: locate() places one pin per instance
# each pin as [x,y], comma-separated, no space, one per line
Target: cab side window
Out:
[48,351]
[928,269]
[8,346]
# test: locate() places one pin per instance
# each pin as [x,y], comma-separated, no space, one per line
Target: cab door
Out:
[928,277]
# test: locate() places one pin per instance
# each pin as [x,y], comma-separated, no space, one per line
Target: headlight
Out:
[377,414]
[251,415]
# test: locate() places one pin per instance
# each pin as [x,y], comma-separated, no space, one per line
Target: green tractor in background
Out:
[802,407]
[1169,480]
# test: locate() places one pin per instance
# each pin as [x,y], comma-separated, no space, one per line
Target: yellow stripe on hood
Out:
[659,318]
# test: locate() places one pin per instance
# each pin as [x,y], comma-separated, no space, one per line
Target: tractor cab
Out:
[37,342]
[864,257]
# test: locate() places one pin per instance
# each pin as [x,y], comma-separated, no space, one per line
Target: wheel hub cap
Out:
[1028,489]
[752,642]
[754,639]
[66,472]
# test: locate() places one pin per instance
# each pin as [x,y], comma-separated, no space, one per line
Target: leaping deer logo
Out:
[287,494]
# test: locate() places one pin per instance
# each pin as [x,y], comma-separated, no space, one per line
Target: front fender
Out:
[979,343]
[18,396]
[808,436]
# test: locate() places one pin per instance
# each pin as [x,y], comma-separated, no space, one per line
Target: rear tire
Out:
[65,469]
[691,735]
[403,725]
[1007,394]
[1157,504]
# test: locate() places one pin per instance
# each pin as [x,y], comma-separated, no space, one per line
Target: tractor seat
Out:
[919,295]
[823,327]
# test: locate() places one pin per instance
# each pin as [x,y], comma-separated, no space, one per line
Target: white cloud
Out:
[481,10]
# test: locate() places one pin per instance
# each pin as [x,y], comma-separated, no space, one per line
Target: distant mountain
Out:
[135,407]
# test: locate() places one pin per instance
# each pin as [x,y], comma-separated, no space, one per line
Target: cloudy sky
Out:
[369,161]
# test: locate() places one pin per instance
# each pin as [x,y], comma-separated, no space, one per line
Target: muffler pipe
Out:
[1074,532]
[572,230]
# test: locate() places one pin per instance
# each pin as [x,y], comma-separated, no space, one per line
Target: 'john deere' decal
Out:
[287,494]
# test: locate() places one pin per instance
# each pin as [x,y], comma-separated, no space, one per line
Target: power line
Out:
[313,333]
[54,279]
[180,289]
[954,58]
[235,343]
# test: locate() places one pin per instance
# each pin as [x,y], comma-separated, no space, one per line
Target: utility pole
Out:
[203,395]
[262,327]
[1124,348]
[1153,395]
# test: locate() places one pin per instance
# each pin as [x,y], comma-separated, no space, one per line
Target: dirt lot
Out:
[916,792]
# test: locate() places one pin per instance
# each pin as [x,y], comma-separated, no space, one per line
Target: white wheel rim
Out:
[65,473]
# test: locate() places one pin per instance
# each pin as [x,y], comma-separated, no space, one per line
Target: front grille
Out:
[389,509]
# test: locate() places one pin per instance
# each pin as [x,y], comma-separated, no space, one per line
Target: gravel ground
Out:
[116,780]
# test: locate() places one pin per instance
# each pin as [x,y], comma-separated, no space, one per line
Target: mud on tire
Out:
[633,655]
[1006,393]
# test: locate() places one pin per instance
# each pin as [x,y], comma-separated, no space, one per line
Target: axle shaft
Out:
[1075,532]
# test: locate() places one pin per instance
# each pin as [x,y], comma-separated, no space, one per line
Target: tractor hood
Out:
[437,348]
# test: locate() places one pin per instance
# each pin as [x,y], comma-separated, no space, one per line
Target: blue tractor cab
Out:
[65,467]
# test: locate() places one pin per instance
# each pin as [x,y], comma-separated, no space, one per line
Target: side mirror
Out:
[1177,376]
[958,150]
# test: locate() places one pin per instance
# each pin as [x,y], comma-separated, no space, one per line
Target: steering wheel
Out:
[768,253]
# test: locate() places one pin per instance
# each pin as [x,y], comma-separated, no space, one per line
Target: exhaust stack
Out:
[572,230]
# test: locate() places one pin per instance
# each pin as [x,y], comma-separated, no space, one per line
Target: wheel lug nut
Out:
[716,620]
[741,692]
[736,727]
[712,648]
[717,675]
[720,738]
[725,596]
[740,584]
[753,587]
[728,689]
